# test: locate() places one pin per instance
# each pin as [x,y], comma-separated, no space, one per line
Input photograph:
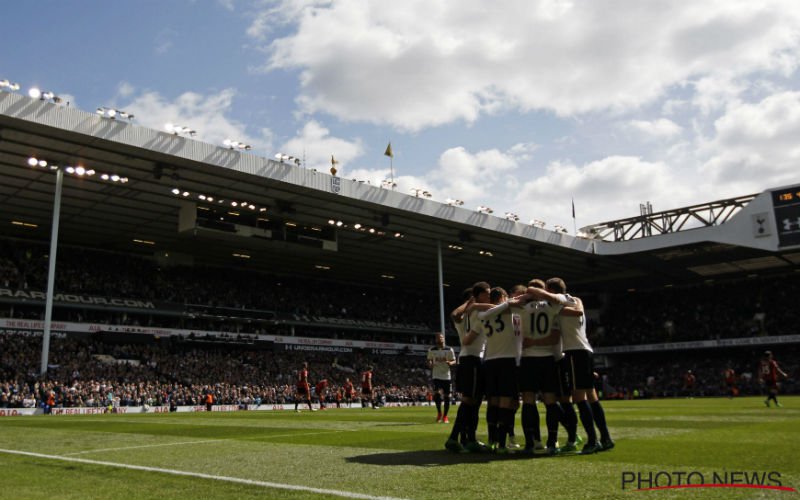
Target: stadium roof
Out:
[112,215]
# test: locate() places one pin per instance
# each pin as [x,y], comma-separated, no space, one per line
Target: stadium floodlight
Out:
[35,162]
[484,209]
[80,171]
[283,157]
[538,223]
[512,216]
[453,246]
[114,113]
[43,95]
[178,130]
[560,229]
[38,162]
[388,183]
[114,178]
[453,202]
[231,144]
[421,192]
[486,253]
[8,86]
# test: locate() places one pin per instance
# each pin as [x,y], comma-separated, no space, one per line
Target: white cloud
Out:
[756,145]
[656,129]
[363,61]
[207,114]
[713,93]
[315,145]
[603,190]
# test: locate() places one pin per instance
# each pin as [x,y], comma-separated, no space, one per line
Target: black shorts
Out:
[563,378]
[444,385]
[303,390]
[501,377]
[469,377]
[579,364]
[538,374]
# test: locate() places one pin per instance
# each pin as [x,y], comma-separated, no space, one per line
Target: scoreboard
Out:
[786,206]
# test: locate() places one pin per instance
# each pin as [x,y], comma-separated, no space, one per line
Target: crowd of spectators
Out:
[648,375]
[93,272]
[90,372]
[712,310]
[749,307]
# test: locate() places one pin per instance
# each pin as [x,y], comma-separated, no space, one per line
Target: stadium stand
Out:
[94,371]
[660,297]
[746,307]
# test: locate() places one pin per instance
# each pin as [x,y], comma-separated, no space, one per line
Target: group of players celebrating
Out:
[531,342]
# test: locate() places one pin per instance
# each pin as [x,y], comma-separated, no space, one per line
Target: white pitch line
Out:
[123,448]
[251,482]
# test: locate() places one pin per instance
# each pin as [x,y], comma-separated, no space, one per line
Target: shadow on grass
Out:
[431,458]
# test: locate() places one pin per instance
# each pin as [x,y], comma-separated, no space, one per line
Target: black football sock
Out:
[476,412]
[551,418]
[587,421]
[502,426]
[492,422]
[454,433]
[570,421]
[600,420]
[446,405]
[530,424]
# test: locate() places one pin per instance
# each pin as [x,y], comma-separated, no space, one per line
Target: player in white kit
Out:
[578,362]
[502,329]
[440,359]
[538,369]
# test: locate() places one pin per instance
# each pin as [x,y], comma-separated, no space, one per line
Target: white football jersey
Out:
[502,338]
[440,357]
[537,323]
[476,348]
[573,333]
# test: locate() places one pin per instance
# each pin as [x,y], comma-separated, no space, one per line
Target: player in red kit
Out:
[349,392]
[729,378]
[769,371]
[303,388]
[322,392]
[688,383]
[367,392]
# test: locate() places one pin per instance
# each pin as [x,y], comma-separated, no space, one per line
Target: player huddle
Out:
[530,342]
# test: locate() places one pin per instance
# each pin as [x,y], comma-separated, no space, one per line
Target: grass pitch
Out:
[389,453]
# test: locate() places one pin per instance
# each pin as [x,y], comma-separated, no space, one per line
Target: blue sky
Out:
[518,105]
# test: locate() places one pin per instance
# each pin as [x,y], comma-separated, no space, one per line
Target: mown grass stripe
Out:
[251,482]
